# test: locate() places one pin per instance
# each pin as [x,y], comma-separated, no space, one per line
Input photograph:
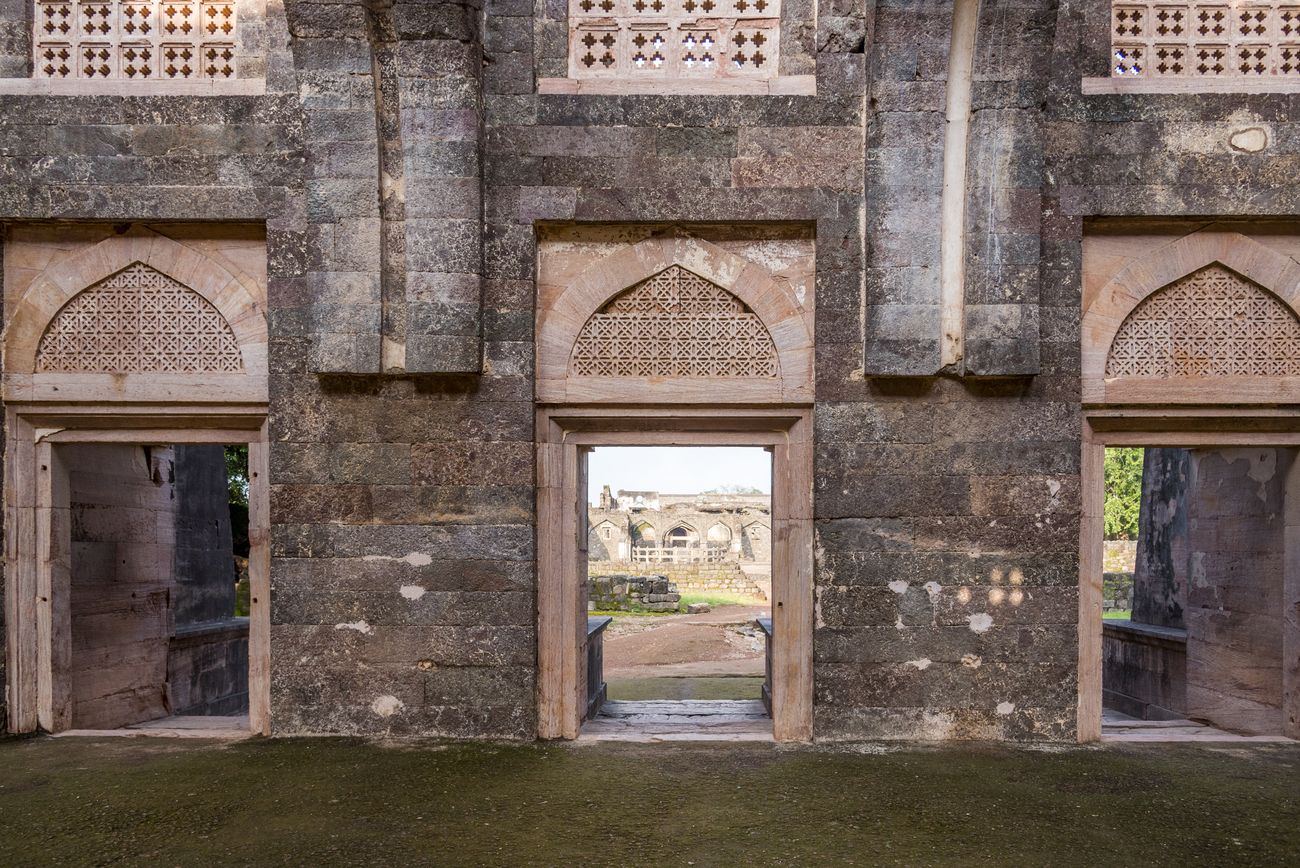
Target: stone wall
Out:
[1119,555]
[726,577]
[401,320]
[619,592]
[1144,670]
[1236,535]
[1117,592]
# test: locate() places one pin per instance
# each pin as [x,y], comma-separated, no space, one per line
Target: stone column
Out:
[1160,575]
[1237,517]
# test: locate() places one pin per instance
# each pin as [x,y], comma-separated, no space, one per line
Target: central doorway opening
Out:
[677,588]
[1199,564]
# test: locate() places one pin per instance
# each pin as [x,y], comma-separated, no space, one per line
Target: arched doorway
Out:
[129,362]
[671,340]
[1192,343]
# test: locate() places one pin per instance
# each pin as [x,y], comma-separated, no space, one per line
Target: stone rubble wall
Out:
[404,539]
[619,592]
[1117,592]
[1120,555]
[726,577]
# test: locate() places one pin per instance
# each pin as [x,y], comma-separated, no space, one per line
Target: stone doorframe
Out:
[564,436]
[1219,428]
[38,640]
[1257,408]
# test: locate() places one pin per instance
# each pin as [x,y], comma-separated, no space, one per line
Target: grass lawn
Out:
[714,599]
[1117,616]
[331,801]
[717,598]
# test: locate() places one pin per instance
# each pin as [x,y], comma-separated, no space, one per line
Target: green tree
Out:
[237,473]
[1123,492]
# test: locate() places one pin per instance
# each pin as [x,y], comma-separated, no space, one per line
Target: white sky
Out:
[677,469]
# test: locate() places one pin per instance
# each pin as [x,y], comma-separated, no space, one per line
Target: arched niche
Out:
[766,312]
[719,534]
[219,306]
[1146,303]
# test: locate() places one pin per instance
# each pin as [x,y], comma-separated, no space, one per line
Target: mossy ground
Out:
[342,801]
[698,687]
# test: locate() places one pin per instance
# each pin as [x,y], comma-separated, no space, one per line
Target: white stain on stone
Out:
[898,586]
[923,663]
[980,623]
[387,705]
[415,559]
[1005,708]
[933,589]
[972,661]
[412,592]
[1251,140]
[898,623]
[359,626]
[1053,487]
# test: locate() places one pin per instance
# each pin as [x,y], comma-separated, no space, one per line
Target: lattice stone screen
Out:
[676,324]
[1205,40]
[674,39]
[1211,323]
[135,40]
[138,321]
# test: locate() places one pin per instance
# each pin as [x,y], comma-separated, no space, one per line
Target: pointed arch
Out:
[784,311]
[138,321]
[674,324]
[1274,274]
[232,295]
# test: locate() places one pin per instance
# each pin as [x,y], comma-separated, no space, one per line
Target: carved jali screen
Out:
[138,321]
[1211,323]
[675,324]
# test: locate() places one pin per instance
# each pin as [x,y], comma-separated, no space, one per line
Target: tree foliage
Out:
[1123,492]
[237,473]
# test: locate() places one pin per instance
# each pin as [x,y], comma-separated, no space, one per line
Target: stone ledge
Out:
[1194,86]
[79,87]
[1150,633]
[786,85]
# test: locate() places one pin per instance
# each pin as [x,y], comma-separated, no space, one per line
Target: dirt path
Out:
[721,642]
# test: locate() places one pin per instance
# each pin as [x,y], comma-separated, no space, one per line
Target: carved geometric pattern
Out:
[135,40]
[675,324]
[669,39]
[1220,39]
[138,321]
[1211,323]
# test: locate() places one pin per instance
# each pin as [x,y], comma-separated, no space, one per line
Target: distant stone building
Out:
[649,527]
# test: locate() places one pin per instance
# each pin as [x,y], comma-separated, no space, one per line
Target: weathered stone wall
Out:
[403,165]
[621,592]
[728,577]
[947,511]
[1236,576]
[1144,670]
[1116,592]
